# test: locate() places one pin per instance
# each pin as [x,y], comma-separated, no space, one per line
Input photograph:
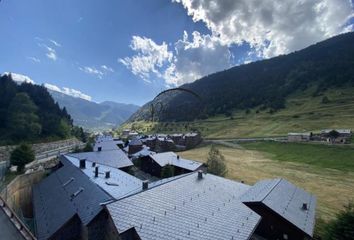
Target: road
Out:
[254,139]
[49,155]
[233,142]
[56,152]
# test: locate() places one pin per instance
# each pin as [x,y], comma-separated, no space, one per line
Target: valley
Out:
[303,112]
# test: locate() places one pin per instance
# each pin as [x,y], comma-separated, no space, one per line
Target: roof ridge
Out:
[276,184]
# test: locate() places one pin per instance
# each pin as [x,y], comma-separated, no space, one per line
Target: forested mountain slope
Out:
[264,84]
[29,113]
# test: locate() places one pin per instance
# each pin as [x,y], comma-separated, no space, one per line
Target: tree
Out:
[216,162]
[64,128]
[22,155]
[341,228]
[325,100]
[167,171]
[8,90]
[333,134]
[23,121]
[88,147]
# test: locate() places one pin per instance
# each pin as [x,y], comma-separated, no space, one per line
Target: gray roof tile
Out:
[286,200]
[111,158]
[106,145]
[171,158]
[53,200]
[187,208]
[120,184]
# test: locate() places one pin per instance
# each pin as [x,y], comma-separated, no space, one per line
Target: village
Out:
[177,120]
[331,136]
[139,187]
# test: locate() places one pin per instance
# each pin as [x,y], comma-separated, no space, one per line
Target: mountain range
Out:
[94,116]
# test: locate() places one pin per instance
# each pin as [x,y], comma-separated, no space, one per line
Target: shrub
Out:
[216,162]
[325,100]
[88,148]
[22,155]
[342,228]
[167,171]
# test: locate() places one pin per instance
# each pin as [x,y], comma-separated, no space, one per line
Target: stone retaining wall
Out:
[5,151]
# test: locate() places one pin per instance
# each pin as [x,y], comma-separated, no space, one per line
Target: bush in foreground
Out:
[22,155]
[341,228]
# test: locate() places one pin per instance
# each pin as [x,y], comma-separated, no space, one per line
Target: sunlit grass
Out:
[333,188]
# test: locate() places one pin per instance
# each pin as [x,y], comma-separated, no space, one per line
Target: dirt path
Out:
[333,188]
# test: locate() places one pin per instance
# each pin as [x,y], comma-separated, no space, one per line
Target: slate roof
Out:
[191,134]
[341,131]
[135,142]
[106,146]
[120,184]
[286,200]
[171,158]
[143,152]
[54,204]
[187,208]
[112,158]
[307,134]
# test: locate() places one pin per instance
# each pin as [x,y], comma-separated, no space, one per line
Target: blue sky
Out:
[128,51]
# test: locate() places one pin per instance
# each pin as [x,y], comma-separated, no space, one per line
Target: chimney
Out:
[304,206]
[82,163]
[96,172]
[99,149]
[145,185]
[200,174]
[93,164]
[108,174]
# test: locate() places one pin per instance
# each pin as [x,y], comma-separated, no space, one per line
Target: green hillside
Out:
[28,113]
[302,112]
[268,85]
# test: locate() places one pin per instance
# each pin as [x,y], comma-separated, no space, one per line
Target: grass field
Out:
[333,187]
[303,112]
[321,156]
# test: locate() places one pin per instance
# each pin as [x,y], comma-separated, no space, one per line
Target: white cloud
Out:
[195,58]
[93,71]
[150,58]
[190,60]
[68,91]
[51,54]
[19,78]
[271,27]
[106,68]
[99,72]
[34,59]
[55,43]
